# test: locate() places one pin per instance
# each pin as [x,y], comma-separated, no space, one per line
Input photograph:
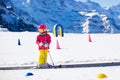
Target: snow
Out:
[119,16]
[75,49]
[62,74]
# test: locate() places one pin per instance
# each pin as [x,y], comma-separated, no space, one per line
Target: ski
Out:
[64,66]
[29,67]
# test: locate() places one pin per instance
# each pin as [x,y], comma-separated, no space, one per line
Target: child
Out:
[43,41]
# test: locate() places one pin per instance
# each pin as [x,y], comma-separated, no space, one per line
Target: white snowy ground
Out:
[75,49]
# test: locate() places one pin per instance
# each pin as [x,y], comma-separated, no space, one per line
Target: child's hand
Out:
[41,44]
[46,45]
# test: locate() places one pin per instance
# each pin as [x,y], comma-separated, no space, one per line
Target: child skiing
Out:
[43,41]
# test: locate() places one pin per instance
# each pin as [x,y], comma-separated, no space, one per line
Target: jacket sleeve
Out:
[37,40]
[48,39]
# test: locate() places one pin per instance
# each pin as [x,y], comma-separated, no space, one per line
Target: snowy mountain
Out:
[113,14]
[10,18]
[76,17]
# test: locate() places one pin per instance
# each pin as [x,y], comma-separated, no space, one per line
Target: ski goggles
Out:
[42,30]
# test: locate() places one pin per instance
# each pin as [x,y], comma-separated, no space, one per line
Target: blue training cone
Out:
[29,74]
[19,42]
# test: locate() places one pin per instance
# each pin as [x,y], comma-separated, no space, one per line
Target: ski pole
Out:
[51,58]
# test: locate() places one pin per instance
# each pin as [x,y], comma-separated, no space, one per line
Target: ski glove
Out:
[46,45]
[41,44]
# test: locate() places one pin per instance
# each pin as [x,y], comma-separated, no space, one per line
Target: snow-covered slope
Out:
[75,48]
[66,13]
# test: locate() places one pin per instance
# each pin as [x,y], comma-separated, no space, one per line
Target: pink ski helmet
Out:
[42,28]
